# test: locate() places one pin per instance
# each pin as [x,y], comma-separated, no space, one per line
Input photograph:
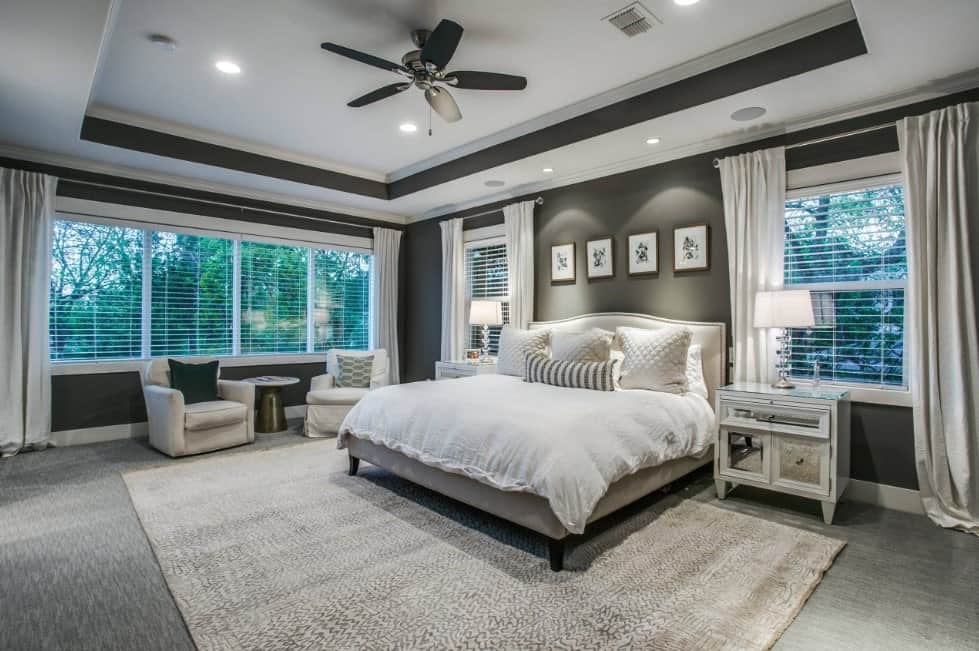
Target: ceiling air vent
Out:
[633,19]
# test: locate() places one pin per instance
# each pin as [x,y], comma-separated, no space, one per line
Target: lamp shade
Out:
[486,313]
[791,308]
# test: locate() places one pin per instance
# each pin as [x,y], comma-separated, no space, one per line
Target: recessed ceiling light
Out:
[547,170]
[685,3]
[228,67]
[748,113]
[408,127]
[652,141]
[493,183]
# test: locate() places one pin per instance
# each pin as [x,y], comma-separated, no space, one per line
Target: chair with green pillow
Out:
[190,410]
[350,374]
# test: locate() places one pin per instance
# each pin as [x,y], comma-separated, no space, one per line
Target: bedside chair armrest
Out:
[243,392]
[165,413]
[320,382]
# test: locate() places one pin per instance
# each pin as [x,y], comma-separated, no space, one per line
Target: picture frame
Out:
[691,248]
[600,258]
[563,263]
[643,252]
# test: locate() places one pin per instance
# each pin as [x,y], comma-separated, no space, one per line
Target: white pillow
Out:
[654,359]
[592,346]
[695,372]
[515,344]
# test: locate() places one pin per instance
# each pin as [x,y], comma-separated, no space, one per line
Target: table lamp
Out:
[791,308]
[486,313]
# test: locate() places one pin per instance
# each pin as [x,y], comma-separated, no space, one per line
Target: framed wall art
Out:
[562,263]
[643,252]
[691,248]
[599,258]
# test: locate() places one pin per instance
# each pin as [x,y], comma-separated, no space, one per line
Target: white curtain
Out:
[518,221]
[384,299]
[454,317]
[26,216]
[940,152]
[754,205]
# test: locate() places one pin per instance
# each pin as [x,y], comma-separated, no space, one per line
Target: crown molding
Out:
[85,165]
[203,135]
[782,35]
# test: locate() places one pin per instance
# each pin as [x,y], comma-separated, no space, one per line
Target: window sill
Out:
[135,365]
[868,395]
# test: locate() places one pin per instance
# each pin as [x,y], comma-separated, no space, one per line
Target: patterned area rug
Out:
[280,549]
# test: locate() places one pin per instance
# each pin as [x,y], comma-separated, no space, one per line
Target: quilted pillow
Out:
[354,371]
[654,359]
[695,372]
[515,345]
[599,376]
[592,346]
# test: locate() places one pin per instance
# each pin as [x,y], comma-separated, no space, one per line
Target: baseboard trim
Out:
[885,496]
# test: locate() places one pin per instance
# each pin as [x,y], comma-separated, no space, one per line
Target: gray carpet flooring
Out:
[77,572]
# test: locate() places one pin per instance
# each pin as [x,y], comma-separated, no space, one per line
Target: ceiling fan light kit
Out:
[424,68]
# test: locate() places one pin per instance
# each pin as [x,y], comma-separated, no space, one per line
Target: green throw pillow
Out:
[354,372]
[198,382]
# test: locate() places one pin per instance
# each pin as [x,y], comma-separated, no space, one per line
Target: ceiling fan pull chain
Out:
[429,121]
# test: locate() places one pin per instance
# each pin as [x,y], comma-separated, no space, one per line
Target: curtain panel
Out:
[753,185]
[454,318]
[26,219]
[384,298]
[518,222]
[940,153]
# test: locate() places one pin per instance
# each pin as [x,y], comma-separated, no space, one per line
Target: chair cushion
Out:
[335,396]
[213,413]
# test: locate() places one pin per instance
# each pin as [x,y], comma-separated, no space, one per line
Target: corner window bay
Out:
[121,292]
[848,247]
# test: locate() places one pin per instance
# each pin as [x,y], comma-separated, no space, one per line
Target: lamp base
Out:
[782,383]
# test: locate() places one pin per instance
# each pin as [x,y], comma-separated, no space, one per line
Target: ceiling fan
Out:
[424,68]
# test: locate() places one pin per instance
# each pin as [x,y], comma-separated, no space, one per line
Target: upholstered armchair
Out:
[327,404]
[177,429]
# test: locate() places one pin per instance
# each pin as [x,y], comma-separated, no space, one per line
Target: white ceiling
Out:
[290,98]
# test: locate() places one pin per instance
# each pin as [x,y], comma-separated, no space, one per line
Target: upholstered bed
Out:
[551,459]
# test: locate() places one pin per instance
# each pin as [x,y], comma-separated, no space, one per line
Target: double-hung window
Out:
[486,279]
[846,244]
[121,291]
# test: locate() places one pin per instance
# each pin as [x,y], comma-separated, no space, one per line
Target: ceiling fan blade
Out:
[486,80]
[369,59]
[379,94]
[444,105]
[442,43]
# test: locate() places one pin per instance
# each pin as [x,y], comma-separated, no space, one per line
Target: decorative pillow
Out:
[654,359]
[198,382]
[354,371]
[515,345]
[695,372]
[599,376]
[592,346]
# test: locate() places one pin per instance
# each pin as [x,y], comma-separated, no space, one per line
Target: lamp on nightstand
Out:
[486,314]
[791,308]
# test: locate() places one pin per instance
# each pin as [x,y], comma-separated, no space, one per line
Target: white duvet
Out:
[566,445]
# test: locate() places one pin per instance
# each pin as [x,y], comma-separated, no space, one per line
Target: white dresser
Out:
[453,370]
[789,440]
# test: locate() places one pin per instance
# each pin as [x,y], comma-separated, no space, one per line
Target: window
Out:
[119,292]
[848,248]
[486,278]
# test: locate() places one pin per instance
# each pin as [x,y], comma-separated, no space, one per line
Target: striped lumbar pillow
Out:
[599,376]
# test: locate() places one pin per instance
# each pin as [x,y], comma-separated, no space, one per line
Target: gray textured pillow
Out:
[515,345]
[654,359]
[598,376]
[594,345]
[354,371]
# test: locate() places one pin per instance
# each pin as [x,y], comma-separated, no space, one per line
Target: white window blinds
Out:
[486,278]
[273,298]
[192,295]
[96,292]
[849,249]
[341,300]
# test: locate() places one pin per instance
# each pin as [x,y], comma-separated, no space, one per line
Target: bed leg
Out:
[555,550]
[354,464]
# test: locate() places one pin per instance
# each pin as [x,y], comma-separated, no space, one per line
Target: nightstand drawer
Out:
[451,372]
[801,463]
[770,416]
[745,455]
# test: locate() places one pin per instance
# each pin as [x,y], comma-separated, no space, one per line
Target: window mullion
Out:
[310,280]
[146,345]
[236,297]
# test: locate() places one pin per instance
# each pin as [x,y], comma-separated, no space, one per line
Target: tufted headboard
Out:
[712,337]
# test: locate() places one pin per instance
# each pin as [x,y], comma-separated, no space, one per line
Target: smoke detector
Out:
[633,19]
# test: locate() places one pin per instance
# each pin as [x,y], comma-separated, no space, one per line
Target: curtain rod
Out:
[321,220]
[816,141]
[539,201]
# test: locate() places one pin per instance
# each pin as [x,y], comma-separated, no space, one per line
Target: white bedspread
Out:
[566,445]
